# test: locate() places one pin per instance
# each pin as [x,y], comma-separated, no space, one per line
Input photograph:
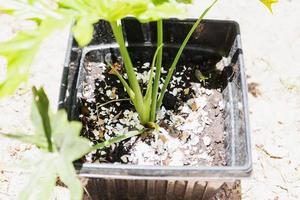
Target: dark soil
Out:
[98,116]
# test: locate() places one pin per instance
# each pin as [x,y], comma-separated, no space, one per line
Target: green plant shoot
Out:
[49,16]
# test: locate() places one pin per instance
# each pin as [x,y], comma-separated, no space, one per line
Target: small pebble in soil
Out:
[206,140]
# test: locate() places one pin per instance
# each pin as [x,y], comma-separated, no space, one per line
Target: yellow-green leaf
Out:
[20,51]
[164,11]
[18,67]
[83,31]
[269,3]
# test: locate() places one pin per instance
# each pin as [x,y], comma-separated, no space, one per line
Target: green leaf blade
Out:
[41,102]
[68,175]
[19,53]
[66,137]
[83,31]
[177,57]
[116,139]
[37,140]
[148,95]
[163,11]
[42,179]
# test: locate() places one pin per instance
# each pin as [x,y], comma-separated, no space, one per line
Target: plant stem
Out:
[134,84]
[112,101]
[173,66]
[157,71]
[116,139]
[148,96]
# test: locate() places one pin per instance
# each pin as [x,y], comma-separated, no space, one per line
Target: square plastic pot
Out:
[212,39]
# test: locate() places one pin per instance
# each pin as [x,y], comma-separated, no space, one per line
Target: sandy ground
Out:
[271,45]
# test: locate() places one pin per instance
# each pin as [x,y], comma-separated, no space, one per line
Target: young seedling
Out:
[203,78]
[147,106]
[48,17]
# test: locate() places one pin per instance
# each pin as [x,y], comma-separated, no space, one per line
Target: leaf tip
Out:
[269,4]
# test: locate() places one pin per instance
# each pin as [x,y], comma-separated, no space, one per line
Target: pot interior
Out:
[212,41]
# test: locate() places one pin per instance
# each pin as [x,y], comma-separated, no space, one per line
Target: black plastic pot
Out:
[212,39]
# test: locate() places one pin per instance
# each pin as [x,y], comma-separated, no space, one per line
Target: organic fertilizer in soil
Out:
[191,121]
